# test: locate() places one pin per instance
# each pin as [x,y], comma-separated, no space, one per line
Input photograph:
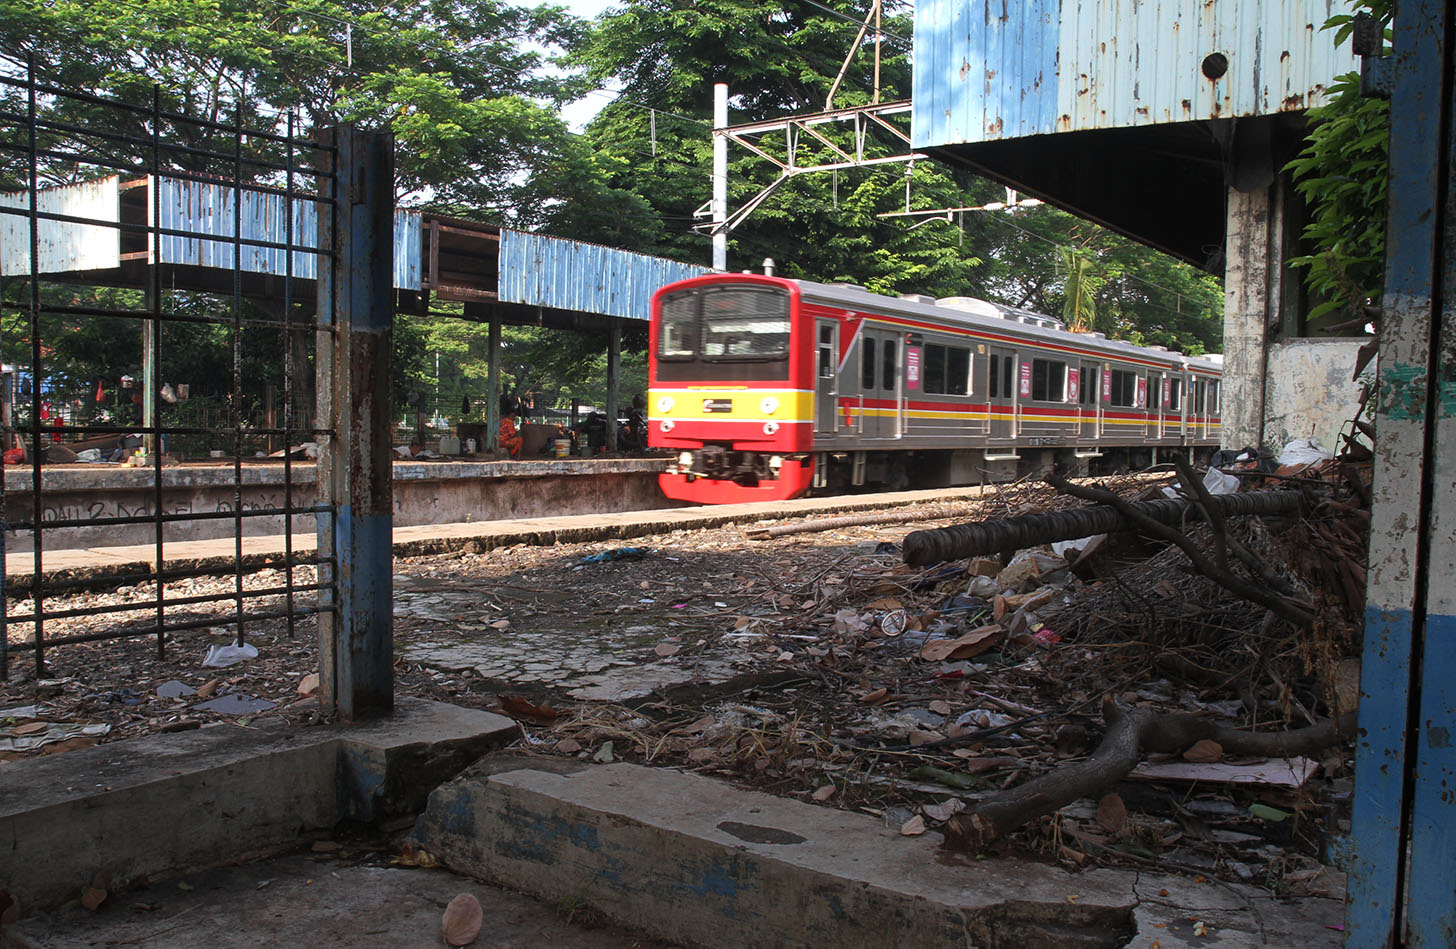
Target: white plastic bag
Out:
[220,657]
[1219,483]
[1303,451]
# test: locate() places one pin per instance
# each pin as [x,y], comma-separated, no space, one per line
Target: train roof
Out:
[983,314]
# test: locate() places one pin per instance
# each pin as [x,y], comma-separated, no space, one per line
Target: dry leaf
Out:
[741,622]
[939,707]
[888,603]
[1112,814]
[921,736]
[913,827]
[568,746]
[92,898]
[878,695]
[700,726]
[501,624]
[30,728]
[784,657]
[462,920]
[206,690]
[699,755]
[604,754]
[325,846]
[412,856]
[309,684]
[971,644]
[1204,751]
[523,711]
[823,793]
[945,810]
[667,649]
[1075,856]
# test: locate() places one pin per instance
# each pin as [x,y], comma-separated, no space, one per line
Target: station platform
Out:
[99,562]
[433,492]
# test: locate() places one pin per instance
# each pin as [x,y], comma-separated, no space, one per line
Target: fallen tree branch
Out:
[1130,733]
[1295,612]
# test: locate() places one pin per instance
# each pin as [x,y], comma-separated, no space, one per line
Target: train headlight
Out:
[686,460]
[664,404]
[770,427]
[668,425]
[769,405]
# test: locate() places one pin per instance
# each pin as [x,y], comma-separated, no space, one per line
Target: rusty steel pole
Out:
[355,475]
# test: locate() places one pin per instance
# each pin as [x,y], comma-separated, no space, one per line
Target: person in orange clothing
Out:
[510,438]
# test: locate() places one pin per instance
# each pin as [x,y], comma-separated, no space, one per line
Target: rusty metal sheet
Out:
[987,70]
[64,246]
[573,275]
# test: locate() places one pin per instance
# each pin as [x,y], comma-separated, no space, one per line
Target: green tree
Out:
[1342,174]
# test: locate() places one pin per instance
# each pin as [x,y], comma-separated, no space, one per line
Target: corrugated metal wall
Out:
[207,209]
[993,69]
[571,275]
[63,245]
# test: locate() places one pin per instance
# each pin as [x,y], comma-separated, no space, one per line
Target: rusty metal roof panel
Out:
[63,245]
[573,275]
[204,210]
[995,69]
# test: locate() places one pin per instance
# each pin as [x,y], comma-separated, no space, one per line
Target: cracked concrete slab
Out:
[698,861]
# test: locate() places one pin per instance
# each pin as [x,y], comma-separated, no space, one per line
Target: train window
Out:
[867,364]
[1212,397]
[745,323]
[1087,384]
[1048,380]
[826,352]
[887,365]
[994,386]
[957,370]
[679,326]
[1006,366]
[947,370]
[1175,393]
[1124,388]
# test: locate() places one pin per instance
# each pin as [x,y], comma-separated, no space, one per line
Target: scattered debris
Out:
[222,656]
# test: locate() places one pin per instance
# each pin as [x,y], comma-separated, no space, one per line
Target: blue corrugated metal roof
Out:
[572,275]
[208,209]
[994,69]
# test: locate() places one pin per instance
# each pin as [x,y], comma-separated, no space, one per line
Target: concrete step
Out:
[149,807]
[696,861]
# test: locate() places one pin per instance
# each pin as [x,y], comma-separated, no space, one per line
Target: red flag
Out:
[100,392]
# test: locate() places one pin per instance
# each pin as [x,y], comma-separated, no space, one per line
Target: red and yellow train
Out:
[767,387]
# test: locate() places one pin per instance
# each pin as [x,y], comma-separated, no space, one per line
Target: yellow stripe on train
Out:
[731,405]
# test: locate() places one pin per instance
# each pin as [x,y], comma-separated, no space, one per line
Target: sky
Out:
[578,113]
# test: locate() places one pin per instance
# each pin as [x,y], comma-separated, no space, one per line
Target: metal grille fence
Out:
[150,258]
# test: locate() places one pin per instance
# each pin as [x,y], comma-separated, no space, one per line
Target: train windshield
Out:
[724,325]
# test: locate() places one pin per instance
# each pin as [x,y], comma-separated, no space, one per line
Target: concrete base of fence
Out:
[152,806]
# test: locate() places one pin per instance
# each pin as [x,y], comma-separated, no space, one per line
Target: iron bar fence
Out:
[145,254]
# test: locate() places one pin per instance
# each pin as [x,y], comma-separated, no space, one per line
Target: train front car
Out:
[731,389]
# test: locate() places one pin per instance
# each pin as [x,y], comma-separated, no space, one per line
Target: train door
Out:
[1089,406]
[1001,392]
[1176,405]
[826,381]
[880,383]
[1145,383]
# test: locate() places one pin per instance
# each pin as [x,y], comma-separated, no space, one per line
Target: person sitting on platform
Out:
[510,438]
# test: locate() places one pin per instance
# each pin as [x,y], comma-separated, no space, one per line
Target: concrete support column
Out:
[492,404]
[614,361]
[1252,256]
[355,477]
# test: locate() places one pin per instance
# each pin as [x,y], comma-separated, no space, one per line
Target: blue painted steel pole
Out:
[1404,762]
[356,298]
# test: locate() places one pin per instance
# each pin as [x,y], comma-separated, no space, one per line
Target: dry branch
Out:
[1130,733]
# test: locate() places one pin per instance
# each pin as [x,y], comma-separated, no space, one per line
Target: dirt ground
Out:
[804,665]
